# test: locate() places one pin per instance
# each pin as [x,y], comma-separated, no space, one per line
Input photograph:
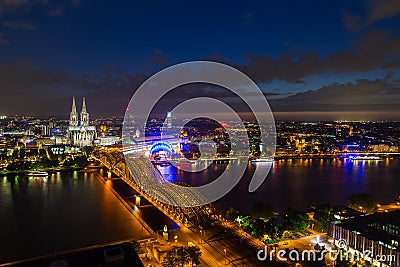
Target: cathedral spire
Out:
[84,114]
[73,105]
[73,116]
[84,106]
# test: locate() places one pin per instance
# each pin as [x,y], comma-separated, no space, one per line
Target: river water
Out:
[67,210]
[300,183]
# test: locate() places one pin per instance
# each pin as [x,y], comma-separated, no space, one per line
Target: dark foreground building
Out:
[377,235]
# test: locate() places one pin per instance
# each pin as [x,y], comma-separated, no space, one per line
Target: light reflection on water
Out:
[63,211]
[300,183]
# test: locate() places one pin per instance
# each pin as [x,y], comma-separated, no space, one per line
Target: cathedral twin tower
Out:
[73,117]
[80,133]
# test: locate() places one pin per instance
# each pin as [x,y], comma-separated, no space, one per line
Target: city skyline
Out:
[313,61]
[208,133]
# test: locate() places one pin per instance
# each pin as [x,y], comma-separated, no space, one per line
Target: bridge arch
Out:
[161,146]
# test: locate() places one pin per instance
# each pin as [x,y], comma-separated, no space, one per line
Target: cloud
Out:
[13,2]
[382,9]
[18,25]
[158,51]
[75,3]
[7,6]
[376,49]
[376,10]
[352,22]
[362,95]
[160,60]
[38,91]
[56,12]
[11,5]
[4,40]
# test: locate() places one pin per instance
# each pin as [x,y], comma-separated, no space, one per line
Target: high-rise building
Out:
[169,119]
[80,133]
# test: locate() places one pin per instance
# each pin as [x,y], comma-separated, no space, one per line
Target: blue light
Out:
[352,145]
[161,146]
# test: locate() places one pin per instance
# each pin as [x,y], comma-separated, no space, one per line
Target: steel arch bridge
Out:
[161,146]
[145,178]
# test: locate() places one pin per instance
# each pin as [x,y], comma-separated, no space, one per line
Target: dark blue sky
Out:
[314,59]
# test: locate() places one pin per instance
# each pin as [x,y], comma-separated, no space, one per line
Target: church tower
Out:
[73,116]
[80,133]
[84,114]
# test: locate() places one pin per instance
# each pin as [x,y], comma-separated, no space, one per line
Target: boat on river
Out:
[38,173]
[365,158]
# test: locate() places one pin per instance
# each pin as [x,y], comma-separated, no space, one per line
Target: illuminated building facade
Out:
[378,233]
[80,133]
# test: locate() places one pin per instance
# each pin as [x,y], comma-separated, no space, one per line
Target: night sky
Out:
[335,59]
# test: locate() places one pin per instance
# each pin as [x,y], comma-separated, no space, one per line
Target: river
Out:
[300,183]
[67,210]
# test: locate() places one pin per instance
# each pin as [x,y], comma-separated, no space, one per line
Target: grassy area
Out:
[317,226]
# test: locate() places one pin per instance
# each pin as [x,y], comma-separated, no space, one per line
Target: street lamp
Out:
[225,259]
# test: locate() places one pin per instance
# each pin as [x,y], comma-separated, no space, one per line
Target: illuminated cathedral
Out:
[80,133]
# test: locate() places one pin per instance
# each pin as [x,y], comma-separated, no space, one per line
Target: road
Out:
[222,246]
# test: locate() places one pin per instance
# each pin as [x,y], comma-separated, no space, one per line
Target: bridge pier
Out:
[137,201]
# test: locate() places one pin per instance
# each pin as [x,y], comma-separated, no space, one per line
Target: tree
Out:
[45,162]
[261,211]
[87,150]
[137,247]
[177,257]
[297,221]
[274,229]
[341,260]
[170,259]
[54,163]
[362,202]
[319,262]
[244,222]
[194,254]
[182,256]
[324,214]
[232,214]
[81,161]
[258,228]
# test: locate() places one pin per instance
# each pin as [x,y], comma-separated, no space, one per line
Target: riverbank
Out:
[129,205]
[335,156]
[49,170]
[64,211]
